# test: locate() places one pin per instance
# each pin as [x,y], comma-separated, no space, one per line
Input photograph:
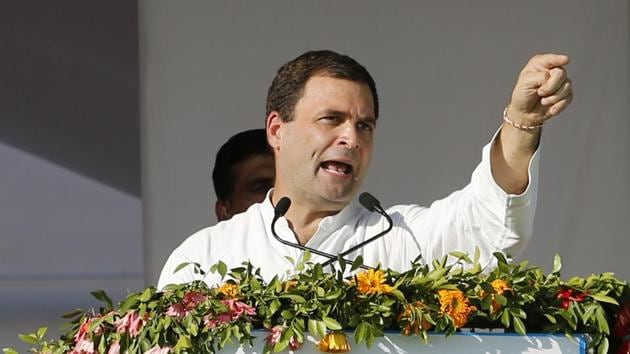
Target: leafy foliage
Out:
[443,297]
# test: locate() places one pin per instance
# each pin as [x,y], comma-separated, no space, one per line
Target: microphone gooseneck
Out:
[372,204]
[279,210]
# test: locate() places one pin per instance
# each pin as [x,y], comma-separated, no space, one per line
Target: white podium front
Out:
[464,343]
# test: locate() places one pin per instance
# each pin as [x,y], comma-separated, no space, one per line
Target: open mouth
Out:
[336,167]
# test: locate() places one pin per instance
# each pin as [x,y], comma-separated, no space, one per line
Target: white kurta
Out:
[479,215]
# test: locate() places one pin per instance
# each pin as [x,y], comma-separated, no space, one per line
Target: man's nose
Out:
[349,136]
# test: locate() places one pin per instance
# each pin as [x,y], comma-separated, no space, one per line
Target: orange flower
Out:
[408,320]
[456,305]
[335,342]
[372,282]
[289,284]
[231,291]
[500,286]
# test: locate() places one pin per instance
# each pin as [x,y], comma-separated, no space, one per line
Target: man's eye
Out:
[365,126]
[331,119]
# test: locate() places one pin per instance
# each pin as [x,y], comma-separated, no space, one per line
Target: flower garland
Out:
[448,295]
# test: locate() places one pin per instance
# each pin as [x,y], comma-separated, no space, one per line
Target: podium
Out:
[459,343]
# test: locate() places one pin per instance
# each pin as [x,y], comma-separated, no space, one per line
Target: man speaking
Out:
[322,114]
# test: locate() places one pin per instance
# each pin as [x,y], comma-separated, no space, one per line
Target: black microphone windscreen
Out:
[368,201]
[281,208]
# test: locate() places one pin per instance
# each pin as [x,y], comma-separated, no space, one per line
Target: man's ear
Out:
[274,126]
[221,210]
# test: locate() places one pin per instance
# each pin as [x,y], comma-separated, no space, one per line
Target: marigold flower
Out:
[372,282]
[500,286]
[456,305]
[409,322]
[334,342]
[230,291]
[289,284]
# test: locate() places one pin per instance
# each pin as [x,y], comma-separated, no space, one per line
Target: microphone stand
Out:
[372,204]
[279,211]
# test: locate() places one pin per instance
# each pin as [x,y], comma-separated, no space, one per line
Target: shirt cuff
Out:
[493,195]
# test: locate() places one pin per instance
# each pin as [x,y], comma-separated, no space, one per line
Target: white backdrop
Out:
[444,70]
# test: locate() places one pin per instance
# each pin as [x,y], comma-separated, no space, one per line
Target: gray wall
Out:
[70,207]
[444,69]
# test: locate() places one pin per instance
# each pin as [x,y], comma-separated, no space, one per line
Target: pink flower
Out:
[84,346]
[237,308]
[294,344]
[158,350]
[193,299]
[212,322]
[190,302]
[114,348]
[83,330]
[274,335]
[131,323]
[177,310]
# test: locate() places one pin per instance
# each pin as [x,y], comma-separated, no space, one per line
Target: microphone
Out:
[279,210]
[368,201]
[372,204]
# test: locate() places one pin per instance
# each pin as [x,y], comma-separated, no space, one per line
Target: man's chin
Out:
[337,198]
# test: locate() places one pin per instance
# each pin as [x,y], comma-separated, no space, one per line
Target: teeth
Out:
[338,167]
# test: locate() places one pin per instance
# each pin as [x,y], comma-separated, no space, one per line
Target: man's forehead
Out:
[336,93]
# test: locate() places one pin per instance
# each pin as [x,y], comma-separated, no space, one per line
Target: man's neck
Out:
[304,217]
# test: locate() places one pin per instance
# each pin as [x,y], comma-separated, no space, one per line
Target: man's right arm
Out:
[480,215]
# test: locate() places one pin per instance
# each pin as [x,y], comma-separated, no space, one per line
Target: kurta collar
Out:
[327,226]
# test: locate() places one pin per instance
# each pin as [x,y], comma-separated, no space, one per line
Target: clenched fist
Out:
[542,90]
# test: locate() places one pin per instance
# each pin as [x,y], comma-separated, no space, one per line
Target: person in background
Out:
[243,173]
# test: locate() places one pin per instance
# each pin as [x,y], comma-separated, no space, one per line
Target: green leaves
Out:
[332,324]
[28,338]
[604,298]
[197,318]
[557,264]
[102,296]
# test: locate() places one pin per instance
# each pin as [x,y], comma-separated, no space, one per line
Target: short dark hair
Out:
[288,85]
[237,149]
